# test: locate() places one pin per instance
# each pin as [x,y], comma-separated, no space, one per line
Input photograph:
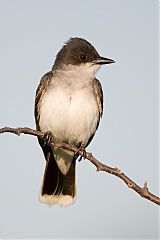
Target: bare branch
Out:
[142,191]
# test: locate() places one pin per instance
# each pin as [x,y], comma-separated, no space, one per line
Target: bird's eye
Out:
[83,57]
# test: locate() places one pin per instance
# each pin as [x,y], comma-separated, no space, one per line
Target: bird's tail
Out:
[56,187]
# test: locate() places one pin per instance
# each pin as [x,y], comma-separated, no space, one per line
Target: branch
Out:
[142,191]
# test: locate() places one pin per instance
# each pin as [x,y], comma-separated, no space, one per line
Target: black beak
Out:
[103,60]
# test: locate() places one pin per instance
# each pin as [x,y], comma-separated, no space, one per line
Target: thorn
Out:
[145,185]
[18,133]
[98,169]
[119,171]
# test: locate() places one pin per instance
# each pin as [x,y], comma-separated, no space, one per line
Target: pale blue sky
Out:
[31,33]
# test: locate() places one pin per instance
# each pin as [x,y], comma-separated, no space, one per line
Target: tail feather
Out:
[56,187]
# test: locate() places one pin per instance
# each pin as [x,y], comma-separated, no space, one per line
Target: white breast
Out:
[70,115]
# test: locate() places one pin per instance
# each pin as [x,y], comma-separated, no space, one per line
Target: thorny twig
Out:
[142,191]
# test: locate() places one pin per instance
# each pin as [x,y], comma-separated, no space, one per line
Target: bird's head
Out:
[78,51]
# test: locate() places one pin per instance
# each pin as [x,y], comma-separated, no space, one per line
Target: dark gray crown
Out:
[76,51]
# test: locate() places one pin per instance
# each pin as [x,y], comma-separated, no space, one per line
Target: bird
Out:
[68,106]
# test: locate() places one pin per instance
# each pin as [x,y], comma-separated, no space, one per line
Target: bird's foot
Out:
[83,150]
[47,138]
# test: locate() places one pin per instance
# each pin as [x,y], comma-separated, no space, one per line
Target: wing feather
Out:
[43,85]
[99,95]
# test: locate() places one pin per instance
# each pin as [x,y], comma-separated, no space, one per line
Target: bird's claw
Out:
[47,138]
[81,148]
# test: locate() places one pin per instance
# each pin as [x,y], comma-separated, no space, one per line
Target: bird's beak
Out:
[103,60]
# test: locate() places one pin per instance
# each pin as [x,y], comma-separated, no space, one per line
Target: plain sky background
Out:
[31,34]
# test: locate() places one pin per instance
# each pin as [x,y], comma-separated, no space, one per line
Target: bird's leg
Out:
[47,138]
[81,148]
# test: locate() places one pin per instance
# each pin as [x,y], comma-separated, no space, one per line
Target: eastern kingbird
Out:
[69,105]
